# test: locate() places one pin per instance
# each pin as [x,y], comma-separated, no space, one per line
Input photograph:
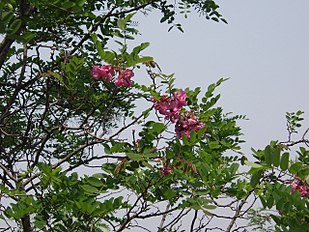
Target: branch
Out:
[4,49]
[109,14]
[193,221]
[8,41]
[8,173]
[136,215]
[127,126]
[66,158]
[164,218]
[238,211]
[177,218]
[292,143]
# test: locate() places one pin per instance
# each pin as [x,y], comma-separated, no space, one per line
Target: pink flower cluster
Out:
[188,122]
[171,106]
[107,72]
[165,170]
[301,187]
[124,78]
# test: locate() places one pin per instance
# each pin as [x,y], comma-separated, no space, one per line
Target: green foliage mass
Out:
[76,153]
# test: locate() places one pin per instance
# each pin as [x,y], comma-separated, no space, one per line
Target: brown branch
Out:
[193,221]
[164,218]
[66,158]
[109,14]
[127,126]
[8,173]
[238,212]
[4,49]
[157,214]
[177,218]
[136,215]
[26,224]
[292,143]
[8,40]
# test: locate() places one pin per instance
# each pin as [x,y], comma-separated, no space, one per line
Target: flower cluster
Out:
[107,72]
[165,170]
[187,123]
[124,78]
[171,107]
[301,187]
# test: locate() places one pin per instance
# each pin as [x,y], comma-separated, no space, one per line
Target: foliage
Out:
[260,219]
[281,182]
[77,156]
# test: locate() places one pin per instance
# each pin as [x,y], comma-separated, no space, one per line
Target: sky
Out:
[264,50]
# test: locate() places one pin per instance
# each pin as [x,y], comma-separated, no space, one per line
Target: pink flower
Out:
[295,183]
[181,97]
[165,170]
[300,186]
[105,72]
[304,190]
[188,122]
[171,106]
[96,72]
[124,78]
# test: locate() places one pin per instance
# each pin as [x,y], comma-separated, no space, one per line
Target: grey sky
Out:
[264,50]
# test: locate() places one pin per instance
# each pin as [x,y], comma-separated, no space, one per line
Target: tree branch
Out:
[8,41]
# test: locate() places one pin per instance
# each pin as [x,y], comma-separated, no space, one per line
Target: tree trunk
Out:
[26,224]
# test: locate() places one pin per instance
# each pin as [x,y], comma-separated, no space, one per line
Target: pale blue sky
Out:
[264,50]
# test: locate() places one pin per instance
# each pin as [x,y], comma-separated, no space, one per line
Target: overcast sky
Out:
[264,50]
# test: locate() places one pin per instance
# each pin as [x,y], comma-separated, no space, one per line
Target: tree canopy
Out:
[70,102]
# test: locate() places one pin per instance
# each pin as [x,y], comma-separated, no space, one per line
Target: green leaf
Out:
[57,76]
[141,47]
[209,207]
[135,156]
[295,167]
[275,157]
[158,127]
[146,164]
[267,154]
[255,179]
[307,180]
[144,59]
[14,26]
[94,182]
[253,165]
[214,144]
[68,5]
[27,36]
[169,194]
[39,222]
[284,164]
[89,189]
[6,17]
[121,23]
[107,56]
[107,148]
[80,3]
[270,202]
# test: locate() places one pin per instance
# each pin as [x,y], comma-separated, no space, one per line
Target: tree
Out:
[68,103]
